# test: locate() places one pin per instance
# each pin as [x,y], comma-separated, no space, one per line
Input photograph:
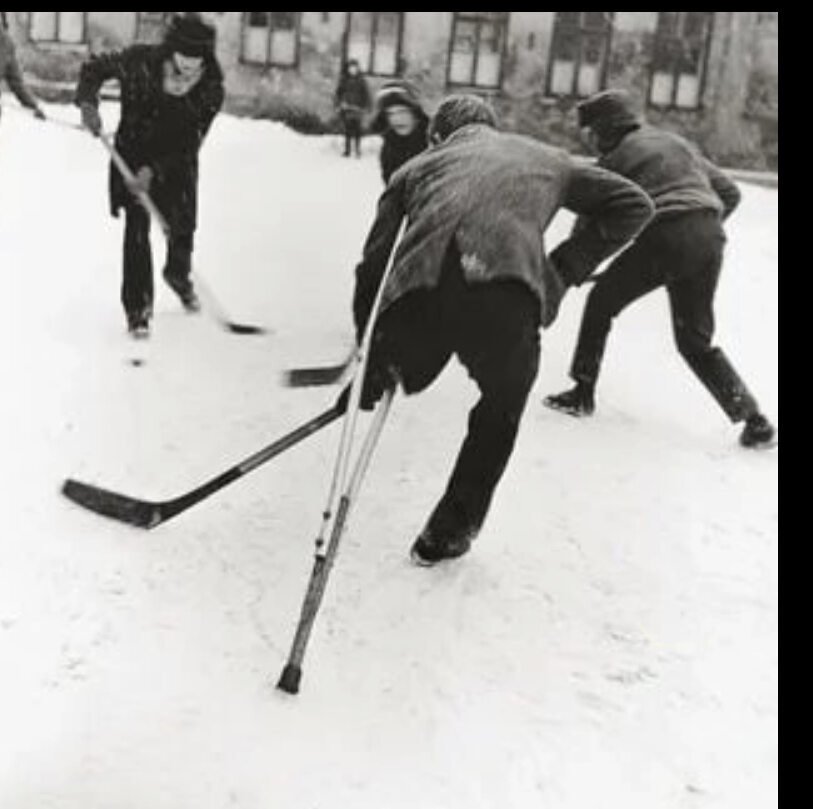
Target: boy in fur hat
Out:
[170,95]
[402,122]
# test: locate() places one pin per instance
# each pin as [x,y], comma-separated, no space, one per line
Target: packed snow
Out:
[611,643]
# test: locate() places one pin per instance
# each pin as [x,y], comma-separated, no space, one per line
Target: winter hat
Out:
[394,94]
[610,108]
[458,111]
[191,36]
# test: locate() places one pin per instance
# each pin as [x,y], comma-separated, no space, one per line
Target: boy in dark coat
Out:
[10,71]
[170,94]
[681,250]
[471,278]
[402,122]
[353,100]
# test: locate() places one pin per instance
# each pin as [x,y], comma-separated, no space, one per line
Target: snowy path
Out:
[611,644]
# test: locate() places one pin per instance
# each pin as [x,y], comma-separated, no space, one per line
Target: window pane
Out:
[691,59]
[593,50]
[563,75]
[688,92]
[385,58]
[668,22]
[283,20]
[589,79]
[389,26]
[462,68]
[359,43]
[44,26]
[283,48]
[566,45]
[465,40]
[361,51]
[361,25]
[255,45]
[663,85]
[490,59]
[258,19]
[696,24]
[71,26]
[488,70]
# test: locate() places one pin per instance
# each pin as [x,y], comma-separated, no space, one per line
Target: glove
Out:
[376,383]
[39,114]
[91,119]
[142,182]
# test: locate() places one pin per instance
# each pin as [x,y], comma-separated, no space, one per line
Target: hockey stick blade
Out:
[137,513]
[243,330]
[148,515]
[314,377]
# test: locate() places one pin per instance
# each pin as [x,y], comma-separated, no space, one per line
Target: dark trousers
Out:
[138,288]
[493,329]
[353,131]
[684,254]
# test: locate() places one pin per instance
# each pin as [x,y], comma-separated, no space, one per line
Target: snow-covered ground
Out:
[612,643]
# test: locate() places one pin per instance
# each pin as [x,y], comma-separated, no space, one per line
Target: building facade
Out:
[710,75]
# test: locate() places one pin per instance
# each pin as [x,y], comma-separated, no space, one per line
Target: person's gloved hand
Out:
[376,383]
[39,114]
[92,120]
[142,182]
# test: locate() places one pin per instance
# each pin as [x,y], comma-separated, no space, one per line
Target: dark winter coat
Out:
[397,150]
[672,171]
[10,71]
[353,94]
[157,129]
[495,195]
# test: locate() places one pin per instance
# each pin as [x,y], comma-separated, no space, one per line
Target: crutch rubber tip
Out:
[291,680]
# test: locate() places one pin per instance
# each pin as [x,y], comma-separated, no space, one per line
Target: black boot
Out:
[138,324]
[579,402]
[448,535]
[759,433]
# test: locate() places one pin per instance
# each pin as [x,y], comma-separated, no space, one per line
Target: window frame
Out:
[662,40]
[269,61]
[57,42]
[467,17]
[368,69]
[583,31]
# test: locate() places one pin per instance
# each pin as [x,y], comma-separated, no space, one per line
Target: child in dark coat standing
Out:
[353,100]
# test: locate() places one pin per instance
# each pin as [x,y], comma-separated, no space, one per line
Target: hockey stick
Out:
[319,376]
[211,303]
[148,515]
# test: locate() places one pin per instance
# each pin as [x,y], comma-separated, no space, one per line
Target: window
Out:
[374,39]
[271,37]
[679,65]
[580,52]
[66,27]
[478,47]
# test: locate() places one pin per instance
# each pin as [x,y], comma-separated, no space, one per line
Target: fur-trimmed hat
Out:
[191,36]
[458,111]
[609,107]
[397,93]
